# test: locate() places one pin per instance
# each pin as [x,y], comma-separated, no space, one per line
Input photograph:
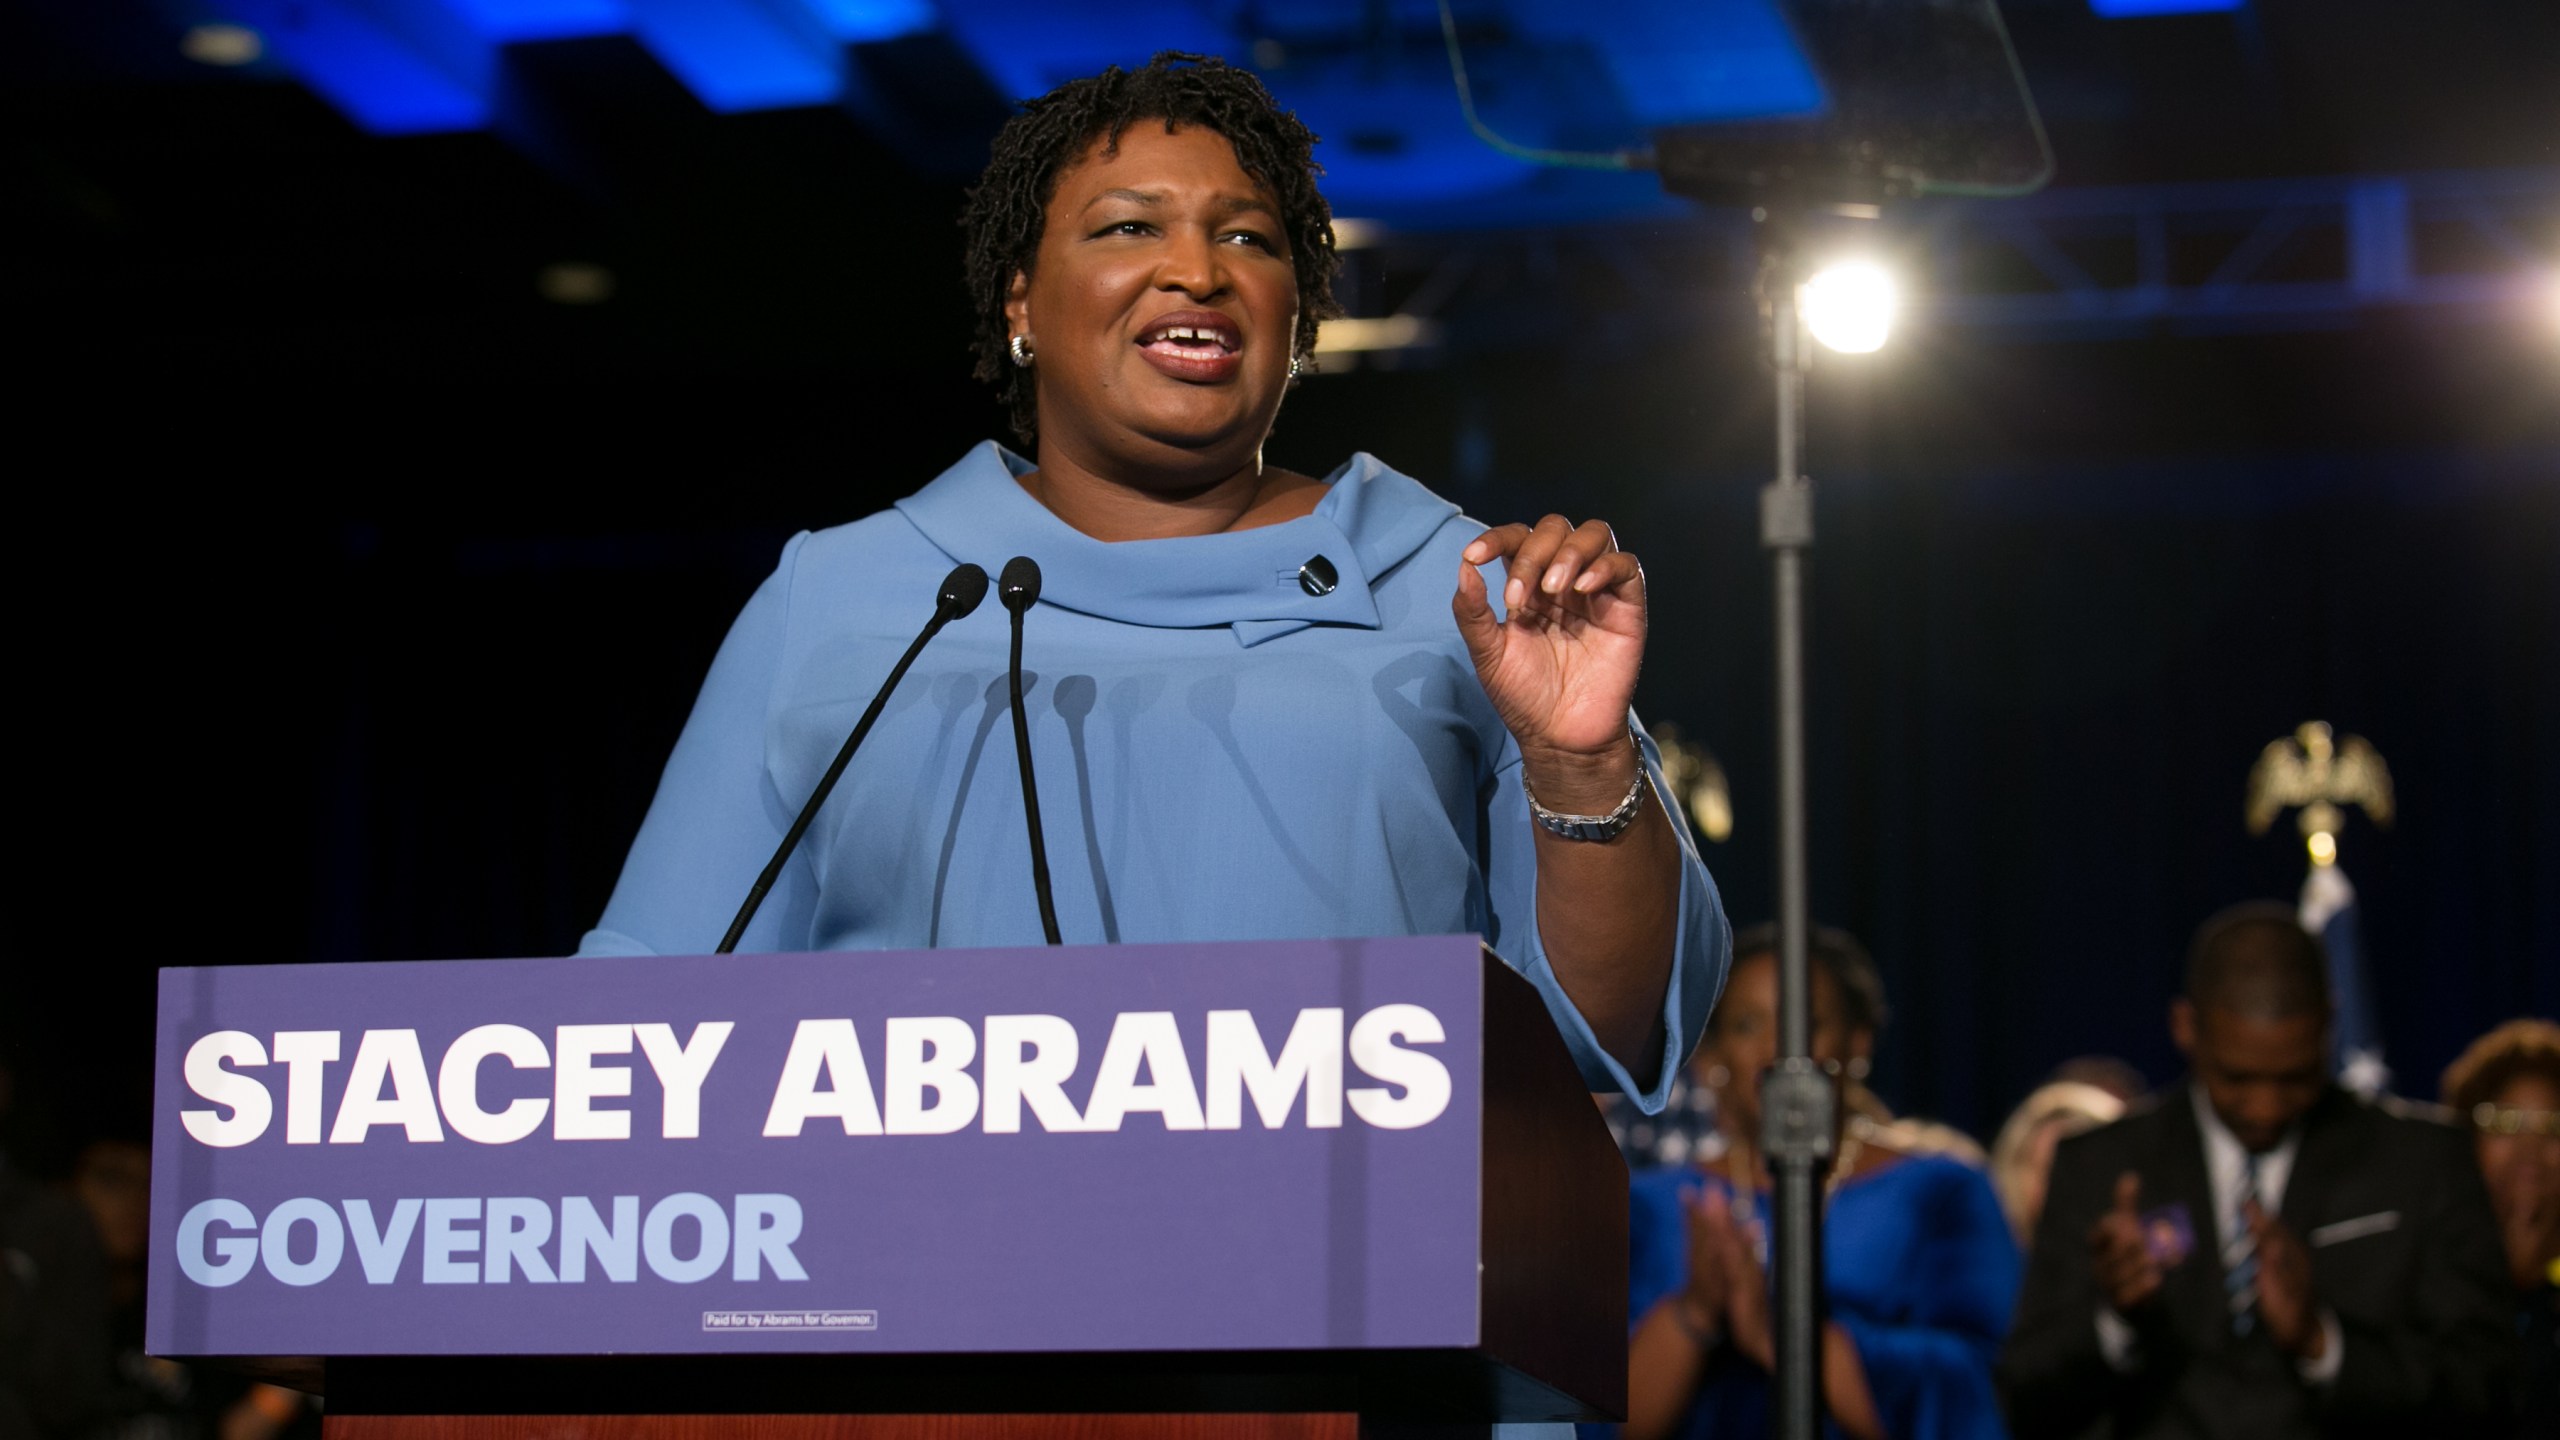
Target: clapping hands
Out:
[2128,1273]
[1728,1292]
[2284,1286]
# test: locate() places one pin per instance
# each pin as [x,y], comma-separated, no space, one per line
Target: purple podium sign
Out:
[1270,1147]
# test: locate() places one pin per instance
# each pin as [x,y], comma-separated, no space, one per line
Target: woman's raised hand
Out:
[1561,668]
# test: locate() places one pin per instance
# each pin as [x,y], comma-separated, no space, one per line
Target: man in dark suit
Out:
[2259,1253]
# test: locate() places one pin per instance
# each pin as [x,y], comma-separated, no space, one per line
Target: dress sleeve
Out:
[716,817]
[1929,1369]
[1700,951]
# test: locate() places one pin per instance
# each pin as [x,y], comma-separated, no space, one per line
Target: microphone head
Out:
[962,589]
[1019,585]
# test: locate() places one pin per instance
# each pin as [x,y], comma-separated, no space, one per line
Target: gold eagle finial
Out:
[2314,770]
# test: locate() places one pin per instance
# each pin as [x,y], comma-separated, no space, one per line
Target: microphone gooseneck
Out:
[961,592]
[1019,588]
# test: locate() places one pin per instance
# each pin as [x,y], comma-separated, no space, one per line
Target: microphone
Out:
[1019,588]
[961,591]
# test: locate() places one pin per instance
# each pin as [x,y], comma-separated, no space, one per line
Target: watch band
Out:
[1591,827]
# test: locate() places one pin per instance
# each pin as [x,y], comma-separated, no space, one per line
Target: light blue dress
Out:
[1221,754]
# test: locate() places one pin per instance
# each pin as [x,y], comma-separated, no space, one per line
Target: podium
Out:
[1288,1189]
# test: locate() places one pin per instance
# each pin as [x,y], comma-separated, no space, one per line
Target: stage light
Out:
[1849,306]
[1353,234]
[574,282]
[2134,9]
[1347,334]
[225,45]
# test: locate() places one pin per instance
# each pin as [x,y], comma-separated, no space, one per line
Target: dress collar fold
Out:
[1370,520]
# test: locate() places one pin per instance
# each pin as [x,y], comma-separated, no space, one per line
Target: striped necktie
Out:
[2240,1253]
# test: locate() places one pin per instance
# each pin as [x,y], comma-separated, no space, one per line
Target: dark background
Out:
[361,590]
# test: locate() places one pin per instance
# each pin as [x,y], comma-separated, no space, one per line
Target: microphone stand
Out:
[1019,588]
[1799,1103]
[961,591]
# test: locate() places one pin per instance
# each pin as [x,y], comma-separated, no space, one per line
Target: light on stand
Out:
[224,45]
[1849,306]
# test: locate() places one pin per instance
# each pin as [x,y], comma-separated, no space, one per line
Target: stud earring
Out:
[1718,1077]
[1019,347]
[1297,365]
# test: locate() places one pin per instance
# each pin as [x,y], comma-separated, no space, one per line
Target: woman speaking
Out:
[1261,705]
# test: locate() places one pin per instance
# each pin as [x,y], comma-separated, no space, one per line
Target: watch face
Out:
[1586,829]
[1591,827]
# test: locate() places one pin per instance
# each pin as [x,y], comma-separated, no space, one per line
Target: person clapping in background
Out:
[1918,1267]
[2507,1088]
[2259,1252]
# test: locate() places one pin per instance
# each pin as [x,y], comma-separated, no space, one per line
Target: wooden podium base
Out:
[843,1427]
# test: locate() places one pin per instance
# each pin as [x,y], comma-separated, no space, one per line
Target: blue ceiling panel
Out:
[742,54]
[1386,144]
[2124,9]
[1371,76]
[1030,47]
[512,20]
[370,72]
[1683,62]
[434,33]
[857,22]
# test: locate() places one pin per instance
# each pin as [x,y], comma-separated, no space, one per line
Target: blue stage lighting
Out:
[858,21]
[462,37]
[507,20]
[1684,62]
[743,54]
[1562,75]
[364,67]
[2127,9]
[1029,47]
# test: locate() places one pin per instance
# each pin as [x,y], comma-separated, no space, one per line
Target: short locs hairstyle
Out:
[1005,212]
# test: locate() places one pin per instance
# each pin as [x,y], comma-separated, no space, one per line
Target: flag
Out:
[2329,911]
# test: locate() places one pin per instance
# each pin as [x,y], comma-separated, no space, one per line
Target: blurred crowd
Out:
[73,1246]
[2250,1251]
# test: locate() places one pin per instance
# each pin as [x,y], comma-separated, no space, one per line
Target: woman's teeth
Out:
[1185,340]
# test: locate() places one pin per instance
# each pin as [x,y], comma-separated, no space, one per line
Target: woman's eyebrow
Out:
[1227,207]
[1134,197]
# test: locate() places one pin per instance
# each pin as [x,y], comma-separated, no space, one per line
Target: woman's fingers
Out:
[1528,563]
[1609,572]
[1476,623]
[1496,543]
[1553,560]
[1584,546]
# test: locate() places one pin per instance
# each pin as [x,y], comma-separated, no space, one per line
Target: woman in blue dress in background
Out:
[1919,1269]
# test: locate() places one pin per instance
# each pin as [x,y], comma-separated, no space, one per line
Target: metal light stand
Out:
[1798,1101]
